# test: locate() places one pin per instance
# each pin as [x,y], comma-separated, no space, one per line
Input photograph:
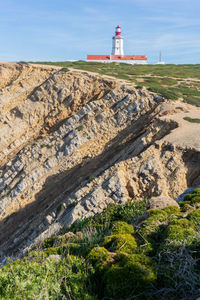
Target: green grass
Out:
[176,71]
[125,252]
[191,120]
[192,100]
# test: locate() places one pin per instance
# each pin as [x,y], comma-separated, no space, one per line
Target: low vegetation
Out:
[170,81]
[126,252]
[192,120]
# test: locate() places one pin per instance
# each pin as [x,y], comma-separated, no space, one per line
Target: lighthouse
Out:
[117,42]
[117,54]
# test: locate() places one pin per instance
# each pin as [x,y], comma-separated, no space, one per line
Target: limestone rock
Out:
[161,202]
[72,143]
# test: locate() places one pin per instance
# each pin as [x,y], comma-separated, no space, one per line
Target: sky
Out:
[60,30]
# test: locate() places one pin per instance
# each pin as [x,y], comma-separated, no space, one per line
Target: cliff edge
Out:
[73,142]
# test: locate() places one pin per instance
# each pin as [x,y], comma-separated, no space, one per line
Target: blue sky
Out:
[60,30]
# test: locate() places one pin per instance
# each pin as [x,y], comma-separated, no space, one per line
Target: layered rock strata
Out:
[72,142]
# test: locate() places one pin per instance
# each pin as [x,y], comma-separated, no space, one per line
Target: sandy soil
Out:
[187,134]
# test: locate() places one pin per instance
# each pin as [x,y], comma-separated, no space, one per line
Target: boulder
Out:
[161,202]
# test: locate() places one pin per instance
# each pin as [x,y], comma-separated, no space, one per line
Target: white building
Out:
[117,55]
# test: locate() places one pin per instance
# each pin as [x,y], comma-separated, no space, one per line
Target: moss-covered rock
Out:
[121,227]
[120,243]
[131,274]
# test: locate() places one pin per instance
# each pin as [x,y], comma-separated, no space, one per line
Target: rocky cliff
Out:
[73,142]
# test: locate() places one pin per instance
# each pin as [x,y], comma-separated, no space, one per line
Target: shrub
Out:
[178,272]
[49,279]
[99,256]
[185,206]
[183,223]
[194,217]
[172,210]
[121,227]
[82,264]
[196,191]
[151,225]
[50,242]
[193,197]
[179,233]
[120,243]
[127,212]
[132,274]
[64,70]
[157,215]
[51,250]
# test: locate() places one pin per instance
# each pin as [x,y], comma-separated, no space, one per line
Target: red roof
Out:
[116,57]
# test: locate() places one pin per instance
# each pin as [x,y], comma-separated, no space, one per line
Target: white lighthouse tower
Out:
[118,43]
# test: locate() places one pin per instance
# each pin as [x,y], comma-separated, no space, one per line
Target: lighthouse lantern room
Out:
[118,42]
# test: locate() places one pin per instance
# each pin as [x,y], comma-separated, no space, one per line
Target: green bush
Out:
[157,214]
[185,206]
[152,225]
[50,242]
[131,274]
[172,210]
[179,233]
[99,256]
[49,279]
[121,227]
[193,197]
[159,262]
[127,212]
[194,217]
[120,243]
[183,223]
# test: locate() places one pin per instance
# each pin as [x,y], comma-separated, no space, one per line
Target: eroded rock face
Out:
[71,143]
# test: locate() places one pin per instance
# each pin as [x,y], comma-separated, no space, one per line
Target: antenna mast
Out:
[160,57]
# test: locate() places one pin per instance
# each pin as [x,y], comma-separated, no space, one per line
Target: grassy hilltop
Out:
[115,255]
[170,81]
